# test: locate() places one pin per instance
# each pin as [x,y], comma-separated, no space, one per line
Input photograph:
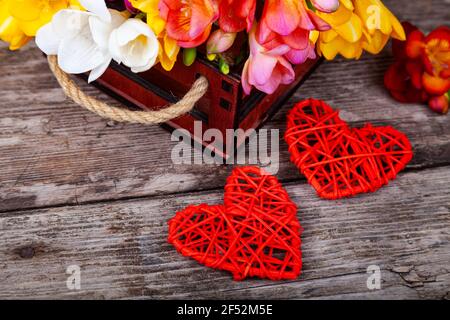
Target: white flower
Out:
[80,38]
[135,45]
[88,40]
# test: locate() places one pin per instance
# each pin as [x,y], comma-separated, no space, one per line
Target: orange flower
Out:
[421,71]
[189,22]
[434,51]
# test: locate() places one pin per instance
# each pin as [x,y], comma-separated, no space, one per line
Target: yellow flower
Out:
[169,48]
[20,19]
[10,30]
[358,25]
[168,52]
[33,14]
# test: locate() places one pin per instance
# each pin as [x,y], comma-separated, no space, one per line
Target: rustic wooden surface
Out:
[76,189]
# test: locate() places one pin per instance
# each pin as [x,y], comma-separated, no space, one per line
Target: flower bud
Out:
[224,67]
[327,6]
[220,41]
[439,104]
[211,57]
[189,56]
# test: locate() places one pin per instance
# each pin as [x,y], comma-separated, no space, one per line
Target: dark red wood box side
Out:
[224,106]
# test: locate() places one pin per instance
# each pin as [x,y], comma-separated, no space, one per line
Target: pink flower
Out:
[284,16]
[300,46]
[266,69]
[220,41]
[290,22]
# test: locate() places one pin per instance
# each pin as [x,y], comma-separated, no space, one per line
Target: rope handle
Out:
[73,91]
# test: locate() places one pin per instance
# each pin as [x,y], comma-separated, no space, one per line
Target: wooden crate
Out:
[225,106]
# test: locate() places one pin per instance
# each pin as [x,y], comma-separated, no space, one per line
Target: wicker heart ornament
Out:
[339,161]
[254,234]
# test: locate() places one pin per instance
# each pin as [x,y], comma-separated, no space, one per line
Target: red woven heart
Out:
[340,161]
[254,234]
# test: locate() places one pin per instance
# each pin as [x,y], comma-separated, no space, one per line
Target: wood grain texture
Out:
[75,189]
[54,153]
[122,249]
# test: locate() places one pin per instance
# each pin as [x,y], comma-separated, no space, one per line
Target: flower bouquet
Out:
[421,70]
[235,60]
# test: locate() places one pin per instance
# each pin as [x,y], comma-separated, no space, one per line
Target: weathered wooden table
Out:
[78,190]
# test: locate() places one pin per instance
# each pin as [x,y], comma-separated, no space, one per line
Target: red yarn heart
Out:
[340,161]
[254,234]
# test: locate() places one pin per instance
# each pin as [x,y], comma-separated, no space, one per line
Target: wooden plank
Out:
[55,153]
[122,249]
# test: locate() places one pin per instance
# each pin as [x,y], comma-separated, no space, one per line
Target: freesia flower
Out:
[421,71]
[290,23]
[10,30]
[300,45]
[20,19]
[135,45]
[220,41]
[189,22]
[80,39]
[150,7]
[283,17]
[266,69]
[358,25]
[380,23]
[33,14]
[169,47]
[440,104]
[168,52]
[236,15]
[434,52]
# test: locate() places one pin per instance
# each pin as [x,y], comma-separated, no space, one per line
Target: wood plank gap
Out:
[285,182]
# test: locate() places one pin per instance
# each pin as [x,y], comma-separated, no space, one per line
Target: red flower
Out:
[189,22]
[421,72]
[237,15]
